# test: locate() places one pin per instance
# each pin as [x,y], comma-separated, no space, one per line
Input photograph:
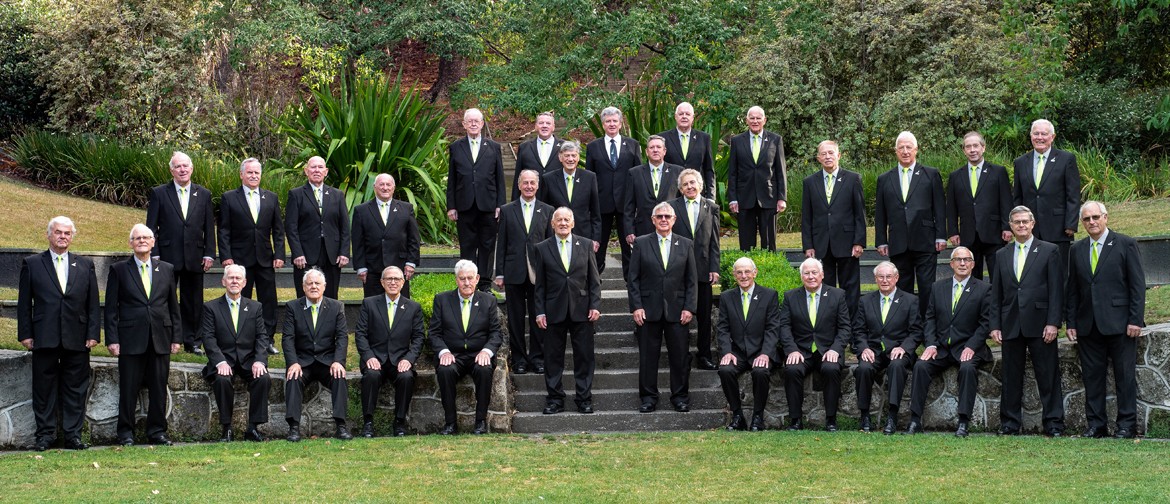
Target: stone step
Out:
[621,378]
[627,340]
[619,421]
[613,400]
[615,358]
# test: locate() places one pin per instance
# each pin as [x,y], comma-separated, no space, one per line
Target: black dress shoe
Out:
[520,369]
[585,407]
[272,349]
[226,436]
[1124,434]
[368,430]
[75,444]
[914,428]
[480,427]
[448,430]
[126,441]
[1054,432]
[757,423]
[647,407]
[866,426]
[891,426]
[253,435]
[831,427]
[682,406]
[706,364]
[795,425]
[738,422]
[294,433]
[553,408]
[962,430]
[538,369]
[399,428]
[161,440]
[1095,433]
[42,444]
[1008,431]
[343,433]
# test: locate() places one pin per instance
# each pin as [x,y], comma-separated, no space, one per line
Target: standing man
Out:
[251,234]
[1106,304]
[58,318]
[142,330]
[523,223]
[568,302]
[475,193]
[886,332]
[909,218]
[700,224]
[690,148]
[1027,290]
[540,154]
[385,233]
[315,344]
[978,202]
[576,189]
[179,214]
[663,298]
[611,157]
[465,335]
[757,181]
[647,185]
[832,221]
[235,334]
[317,222]
[749,330]
[389,337]
[814,326]
[1048,182]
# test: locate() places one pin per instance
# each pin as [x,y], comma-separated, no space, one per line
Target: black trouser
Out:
[225,395]
[331,270]
[920,266]
[403,389]
[756,219]
[1095,351]
[703,318]
[845,273]
[481,377]
[1046,365]
[927,370]
[264,280]
[794,384]
[477,241]
[59,375]
[581,336]
[650,337]
[866,373]
[294,393]
[521,307]
[610,222]
[190,305]
[984,253]
[729,379]
[148,370]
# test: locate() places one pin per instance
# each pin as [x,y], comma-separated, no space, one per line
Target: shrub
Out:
[21,98]
[1110,116]
[424,287]
[774,270]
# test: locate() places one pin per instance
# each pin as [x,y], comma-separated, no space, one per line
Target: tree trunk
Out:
[452,69]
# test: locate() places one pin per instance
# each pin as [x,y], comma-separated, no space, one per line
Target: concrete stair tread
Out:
[664,419]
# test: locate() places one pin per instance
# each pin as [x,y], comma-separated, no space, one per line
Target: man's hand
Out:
[175,347]
[115,349]
[996,336]
[342,261]
[362,276]
[685,317]
[373,364]
[90,343]
[447,359]
[940,245]
[497,213]
[832,356]
[897,353]
[734,207]
[954,239]
[258,369]
[1049,333]
[278,263]
[1071,334]
[596,245]
[1133,331]
[1006,236]
[857,250]
[453,215]
[630,239]
[810,253]
[408,271]
[884,250]
[762,361]
[867,355]
[227,262]
[714,278]
[967,355]
[640,316]
[404,366]
[929,353]
[594,315]
[781,206]
[794,358]
[500,282]
[728,360]
[223,369]
[483,358]
[542,321]
[27,343]
[336,370]
[294,372]
[206,264]
[299,262]
[1070,232]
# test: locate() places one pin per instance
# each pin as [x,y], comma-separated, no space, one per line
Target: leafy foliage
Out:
[424,287]
[21,98]
[773,268]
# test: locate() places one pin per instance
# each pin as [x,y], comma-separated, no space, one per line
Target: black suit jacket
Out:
[698,156]
[303,344]
[913,225]
[1057,203]
[585,205]
[566,296]
[377,245]
[1021,308]
[902,328]
[833,328]
[752,183]
[967,326]
[986,214]
[483,326]
[758,334]
[663,292]
[224,342]
[706,238]
[375,337]
[832,228]
[478,184]
[514,244]
[50,317]
[1114,296]
[182,242]
[611,180]
[528,158]
[640,198]
[136,322]
[306,225]
[250,242]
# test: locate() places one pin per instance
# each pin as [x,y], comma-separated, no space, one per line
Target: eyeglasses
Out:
[1021,222]
[394,279]
[141,238]
[961,260]
[1092,218]
[663,216]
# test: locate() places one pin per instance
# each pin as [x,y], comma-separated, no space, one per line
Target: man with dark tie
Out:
[1027,290]
[749,330]
[179,214]
[540,154]
[978,201]
[647,185]
[576,189]
[251,234]
[832,221]
[315,343]
[475,193]
[236,337]
[317,223]
[814,326]
[610,158]
[909,218]
[389,337]
[698,221]
[465,335]
[886,331]
[385,233]
[958,315]
[143,329]
[523,223]
[1106,303]
[568,302]
[1048,182]
[58,318]
[757,181]
[663,296]
[690,148]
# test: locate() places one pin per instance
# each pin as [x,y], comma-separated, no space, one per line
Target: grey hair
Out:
[244,164]
[465,265]
[62,220]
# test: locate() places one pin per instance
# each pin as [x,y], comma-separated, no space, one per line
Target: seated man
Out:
[886,330]
[747,334]
[315,342]
[389,331]
[814,326]
[235,336]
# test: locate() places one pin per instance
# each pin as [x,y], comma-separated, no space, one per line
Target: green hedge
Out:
[424,287]
[774,270]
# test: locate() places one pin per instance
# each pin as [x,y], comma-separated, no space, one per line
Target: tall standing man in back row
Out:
[757,181]
[611,157]
[1048,182]
[475,193]
[540,154]
[317,223]
[978,201]
[690,148]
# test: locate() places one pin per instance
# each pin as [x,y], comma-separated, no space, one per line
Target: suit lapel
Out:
[1030,262]
[47,261]
[226,311]
[983,176]
[173,197]
[753,307]
[915,177]
[1106,252]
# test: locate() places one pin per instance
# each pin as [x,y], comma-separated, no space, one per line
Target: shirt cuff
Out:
[410,264]
[206,258]
[362,270]
[490,353]
[443,351]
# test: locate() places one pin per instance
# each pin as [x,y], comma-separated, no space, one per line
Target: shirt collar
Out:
[140,263]
[977,166]
[528,202]
[669,236]
[388,300]
[178,187]
[229,299]
[55,255]
[1104,236]
[617,137]
[751,290]
[310,304]
[474,139]
[659,167]
[962,285]
[248,190]
[1028,244]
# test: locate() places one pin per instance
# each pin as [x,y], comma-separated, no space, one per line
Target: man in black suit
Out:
[663,298]
[389,337]
[475,193]
[237,339]
[958,315]
[690,148]
[611,157]
[757,181]
[317,223]
[251,234]
[749,330]
[1048,182]
[1105,312]
[540,154]
[523,223]
[465,335]
[58,318]
[909,218]
[385,233]
[886,331]
[576,189]
[315,341]
[832,221]
[179,213]
[814,326]
[1027,290]
[568,302]
[699,223]
[978,201]
[143,329]
[647,185]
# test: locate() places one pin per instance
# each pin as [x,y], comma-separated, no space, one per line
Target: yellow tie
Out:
[812,311]
[1093,257]
[61,270]
[466,313]
[692,215]
[183,200]
[390,313]
[746,302]
[569,186]
[145,273]
[829,188]
[756,148]
[384,209]
[565,254]
[474,150]
[905,182]
[313,310]
[958,292]
[974,180]
[253,205]
[686,143]
[657,180]
[544,152]
[1039,170]
[662,249]
[1020,257]
[885,308]
[527,217]
[317,194]
[235,309]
